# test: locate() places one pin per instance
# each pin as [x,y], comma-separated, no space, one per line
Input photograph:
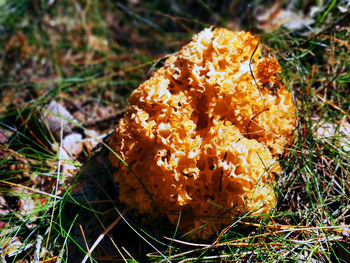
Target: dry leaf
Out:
[3,208]
[5,135]
[328,131]
[98,43]
[73,144]
[57,115]
[275,17]
[14,247]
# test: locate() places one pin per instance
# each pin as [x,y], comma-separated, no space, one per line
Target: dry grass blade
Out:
[105,232]
[31,189]
[86,244]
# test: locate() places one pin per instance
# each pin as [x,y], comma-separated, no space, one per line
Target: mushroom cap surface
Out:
[201,137]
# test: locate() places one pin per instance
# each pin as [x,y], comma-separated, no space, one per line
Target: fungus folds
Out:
[203,134]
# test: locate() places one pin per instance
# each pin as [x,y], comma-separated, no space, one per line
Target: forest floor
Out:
[67,69]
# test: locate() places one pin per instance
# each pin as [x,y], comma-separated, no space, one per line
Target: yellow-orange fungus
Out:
[202,135]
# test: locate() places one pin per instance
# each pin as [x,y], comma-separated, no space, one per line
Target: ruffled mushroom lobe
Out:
[204,132]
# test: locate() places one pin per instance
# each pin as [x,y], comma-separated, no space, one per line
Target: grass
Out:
[88,56]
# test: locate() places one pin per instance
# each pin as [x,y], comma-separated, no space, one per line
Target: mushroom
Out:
[202,136]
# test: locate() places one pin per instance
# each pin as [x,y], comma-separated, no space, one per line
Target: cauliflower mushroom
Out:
[203,134]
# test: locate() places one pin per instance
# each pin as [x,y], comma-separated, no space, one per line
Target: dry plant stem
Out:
[275,245]
[31,189]
[299,229]
[98,240]
[332,104]
[345,228]
[86,244]
[56,189]
[127,252]
[207,258]
[337,229]
[251,72]
[16,154]
[117,248]
[187,243]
